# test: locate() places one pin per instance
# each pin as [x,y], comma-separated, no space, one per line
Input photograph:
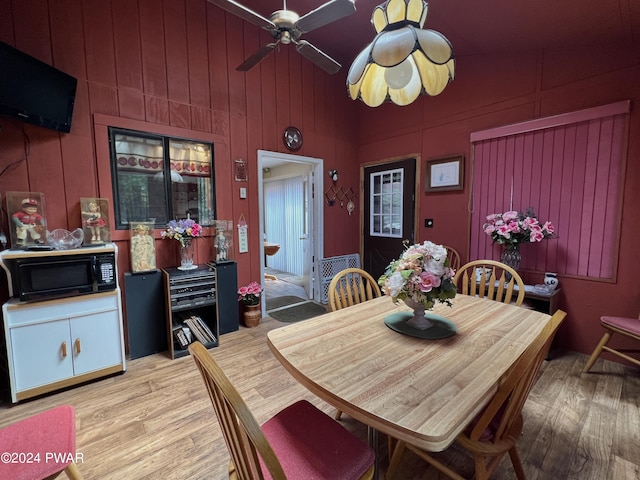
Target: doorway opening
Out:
[291,224]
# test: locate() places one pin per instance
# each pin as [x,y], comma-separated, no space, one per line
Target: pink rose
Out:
[549,228]
[242,291]
[428,281]
[536,235]
[529,222]
[510,215]
[504,231]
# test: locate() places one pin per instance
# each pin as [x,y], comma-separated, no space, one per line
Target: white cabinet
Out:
[59,343]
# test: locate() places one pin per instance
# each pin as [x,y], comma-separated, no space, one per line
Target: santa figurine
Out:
[29,223]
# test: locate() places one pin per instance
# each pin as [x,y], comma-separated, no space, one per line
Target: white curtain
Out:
[284,223]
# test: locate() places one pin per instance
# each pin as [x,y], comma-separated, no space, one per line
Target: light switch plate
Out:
[243,192]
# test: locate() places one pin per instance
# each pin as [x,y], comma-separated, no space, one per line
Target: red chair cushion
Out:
[38,446]
[624,323]
[311,445]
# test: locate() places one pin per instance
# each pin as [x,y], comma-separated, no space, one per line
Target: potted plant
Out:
[250,296]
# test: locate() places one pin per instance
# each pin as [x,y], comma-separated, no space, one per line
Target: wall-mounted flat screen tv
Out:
[34,92]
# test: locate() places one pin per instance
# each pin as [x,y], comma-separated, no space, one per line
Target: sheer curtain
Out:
[284,223]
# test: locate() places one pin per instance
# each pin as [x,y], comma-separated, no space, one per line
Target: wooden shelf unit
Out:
[190,292]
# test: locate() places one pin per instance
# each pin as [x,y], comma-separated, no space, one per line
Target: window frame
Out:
[165,139]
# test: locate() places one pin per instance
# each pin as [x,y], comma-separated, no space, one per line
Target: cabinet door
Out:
[41,354]
[96,342]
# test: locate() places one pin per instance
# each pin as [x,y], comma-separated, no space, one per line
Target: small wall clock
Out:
[292,139]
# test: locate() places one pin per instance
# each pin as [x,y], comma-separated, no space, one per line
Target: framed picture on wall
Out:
[445,174]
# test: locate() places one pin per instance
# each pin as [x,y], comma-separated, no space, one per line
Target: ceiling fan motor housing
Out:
[285,20]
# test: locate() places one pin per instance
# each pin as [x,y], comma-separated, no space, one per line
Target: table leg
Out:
[372,437]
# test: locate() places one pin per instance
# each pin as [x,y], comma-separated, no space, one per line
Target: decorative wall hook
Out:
[333,175]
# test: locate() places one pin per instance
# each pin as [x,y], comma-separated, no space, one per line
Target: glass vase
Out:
[511,256]
[186,255]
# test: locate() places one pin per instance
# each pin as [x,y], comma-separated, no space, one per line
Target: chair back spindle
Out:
[350,287]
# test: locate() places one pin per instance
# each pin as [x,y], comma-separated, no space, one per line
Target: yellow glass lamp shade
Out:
[403,61]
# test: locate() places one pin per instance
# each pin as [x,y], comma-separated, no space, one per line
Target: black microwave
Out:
[44,278]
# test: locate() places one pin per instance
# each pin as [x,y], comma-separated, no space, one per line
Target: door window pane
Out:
[386,203]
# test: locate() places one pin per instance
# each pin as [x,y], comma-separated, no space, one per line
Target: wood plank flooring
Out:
[155,421]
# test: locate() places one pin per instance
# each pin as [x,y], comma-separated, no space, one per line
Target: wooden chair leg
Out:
[72,472]
[596,352]
[517,464]
[338,414]
[394,460]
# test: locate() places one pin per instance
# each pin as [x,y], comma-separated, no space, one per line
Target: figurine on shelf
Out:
[143,250]
[222,245]
[93,220]
[29,223]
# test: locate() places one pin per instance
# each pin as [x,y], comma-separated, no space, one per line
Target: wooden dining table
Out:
[419,390]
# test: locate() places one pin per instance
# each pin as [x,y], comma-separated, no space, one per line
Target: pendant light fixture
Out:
[403,61]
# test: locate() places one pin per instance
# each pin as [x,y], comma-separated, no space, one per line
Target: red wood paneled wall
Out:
[169,67]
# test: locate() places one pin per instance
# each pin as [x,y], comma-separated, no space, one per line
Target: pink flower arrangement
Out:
[512,228]
[421,274]
[250,294]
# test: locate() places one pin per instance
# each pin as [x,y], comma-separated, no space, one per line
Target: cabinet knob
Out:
[63,349]
[78,350]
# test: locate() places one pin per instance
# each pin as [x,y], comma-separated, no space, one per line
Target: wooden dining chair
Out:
[298,442]
[350,287]
[625,326]
[453,256]
[495,431]
[491,279]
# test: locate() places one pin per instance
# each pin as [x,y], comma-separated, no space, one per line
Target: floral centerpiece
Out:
[250,294]
[512,228]
[420,277]
[182,230]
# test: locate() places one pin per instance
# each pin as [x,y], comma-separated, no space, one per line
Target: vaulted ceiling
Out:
[479,27]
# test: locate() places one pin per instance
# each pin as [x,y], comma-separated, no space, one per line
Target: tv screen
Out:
[35,92]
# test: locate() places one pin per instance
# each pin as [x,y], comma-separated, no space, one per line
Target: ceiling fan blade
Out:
[321,59]
[324,14]
[257,57]
[245,13]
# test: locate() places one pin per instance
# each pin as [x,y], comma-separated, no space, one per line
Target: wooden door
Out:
[389,212]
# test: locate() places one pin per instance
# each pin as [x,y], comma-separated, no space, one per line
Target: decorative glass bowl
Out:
[61,239]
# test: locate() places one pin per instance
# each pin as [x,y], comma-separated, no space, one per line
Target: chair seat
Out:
[311,445]
[624,323]
[52,432]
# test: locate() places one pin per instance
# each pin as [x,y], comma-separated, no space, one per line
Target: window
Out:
[386,204]
[569,168]
[158,178]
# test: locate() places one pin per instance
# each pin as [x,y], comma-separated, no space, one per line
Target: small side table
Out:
[546,303]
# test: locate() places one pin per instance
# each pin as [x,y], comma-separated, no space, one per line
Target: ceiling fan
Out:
[286,26]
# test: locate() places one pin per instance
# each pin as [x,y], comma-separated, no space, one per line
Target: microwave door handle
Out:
[94,269]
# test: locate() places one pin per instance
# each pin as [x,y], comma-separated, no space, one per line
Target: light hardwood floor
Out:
[155,421]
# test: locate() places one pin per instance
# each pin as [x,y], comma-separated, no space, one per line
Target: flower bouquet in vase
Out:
[184,231]
[512,228]
[250,296]
[420,278]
